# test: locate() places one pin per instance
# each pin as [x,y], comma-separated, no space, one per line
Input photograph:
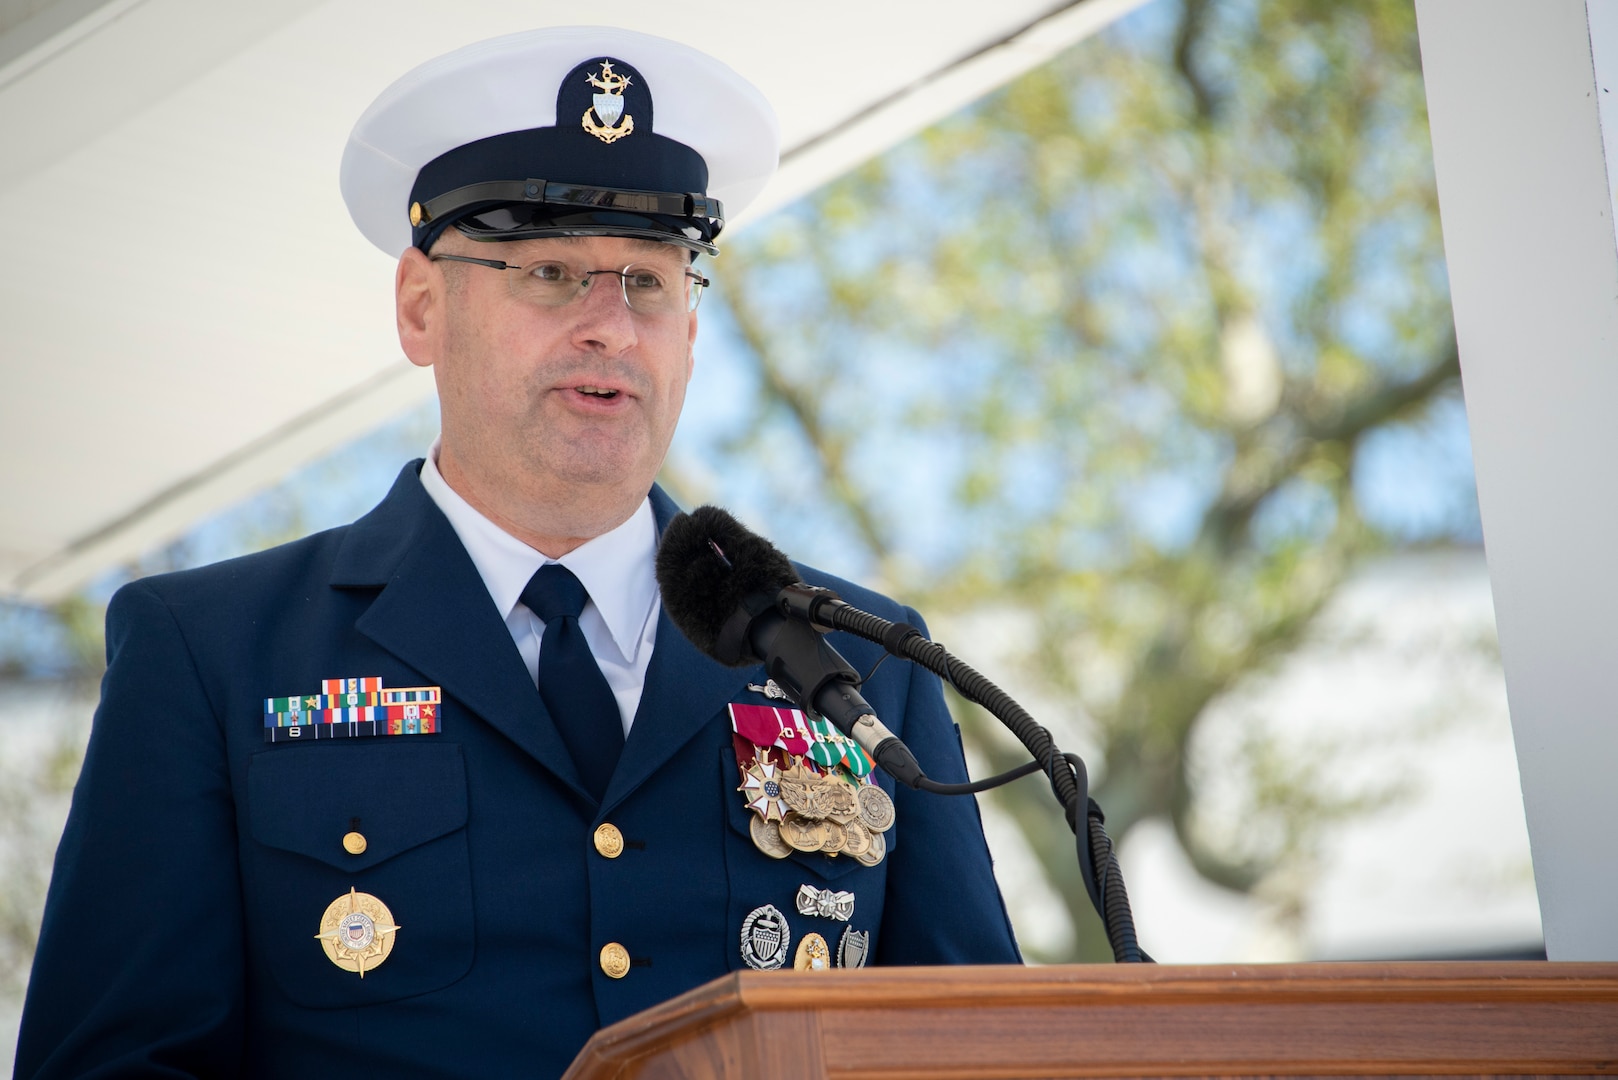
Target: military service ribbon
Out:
[349,708]
[796,732]
[767,726]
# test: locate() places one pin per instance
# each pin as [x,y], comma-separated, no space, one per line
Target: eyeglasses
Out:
[648,289]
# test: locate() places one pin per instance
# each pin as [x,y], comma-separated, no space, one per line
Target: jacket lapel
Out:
[435,614]
[684,690]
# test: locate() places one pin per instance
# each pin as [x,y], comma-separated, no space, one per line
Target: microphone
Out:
[730,591]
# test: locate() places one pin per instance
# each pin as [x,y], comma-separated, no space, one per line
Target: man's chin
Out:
[601,471]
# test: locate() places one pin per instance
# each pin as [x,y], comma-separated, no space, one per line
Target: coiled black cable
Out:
[1115,911]
[1028,768]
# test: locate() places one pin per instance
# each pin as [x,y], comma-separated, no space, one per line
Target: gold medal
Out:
[813,954]
[801,833]
[843,800]
[357,932]
[856,839]
[767,838]
[832,837]
[798,789]
[815,796]
[876,809]
[878,851]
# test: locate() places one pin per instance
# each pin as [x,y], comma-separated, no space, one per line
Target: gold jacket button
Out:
[609,841]
[614,960]
[354,843]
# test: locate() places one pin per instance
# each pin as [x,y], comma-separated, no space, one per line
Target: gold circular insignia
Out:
[357,932]
[609,841]
[614,960]
[354,843]
[801,833]
[767,838]
[813,954]
[877,851]
[416,214]
[876,809]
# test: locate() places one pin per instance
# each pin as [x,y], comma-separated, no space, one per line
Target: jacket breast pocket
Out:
[383,818]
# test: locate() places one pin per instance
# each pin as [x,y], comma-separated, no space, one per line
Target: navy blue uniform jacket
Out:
[180,932]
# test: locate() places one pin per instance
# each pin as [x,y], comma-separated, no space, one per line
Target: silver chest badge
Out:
[825,903]
[854,948]
[765,938]
[771,689]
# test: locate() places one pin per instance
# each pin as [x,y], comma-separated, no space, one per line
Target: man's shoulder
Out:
[858,595]
[273,568]
[348,554]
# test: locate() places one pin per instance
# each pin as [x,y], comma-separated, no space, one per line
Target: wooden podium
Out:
[952,1023]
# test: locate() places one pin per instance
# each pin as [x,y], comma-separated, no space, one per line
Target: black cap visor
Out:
[552,209]
[504,223]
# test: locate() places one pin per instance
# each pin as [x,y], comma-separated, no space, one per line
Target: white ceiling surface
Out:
[187,313]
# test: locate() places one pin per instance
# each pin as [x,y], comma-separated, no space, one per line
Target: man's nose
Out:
[604,320]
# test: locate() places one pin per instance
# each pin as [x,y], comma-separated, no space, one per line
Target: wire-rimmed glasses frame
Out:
[648,295]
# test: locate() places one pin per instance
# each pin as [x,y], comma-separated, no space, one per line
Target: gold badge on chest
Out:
[357,932]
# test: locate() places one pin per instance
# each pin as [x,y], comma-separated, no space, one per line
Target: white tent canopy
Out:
[186,312]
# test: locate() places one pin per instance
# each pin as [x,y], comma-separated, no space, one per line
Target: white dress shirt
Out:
[617,569]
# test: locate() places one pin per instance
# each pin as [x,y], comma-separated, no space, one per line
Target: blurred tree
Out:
[1107,348]
[50,663]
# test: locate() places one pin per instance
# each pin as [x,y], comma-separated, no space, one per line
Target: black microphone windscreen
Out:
[708,563]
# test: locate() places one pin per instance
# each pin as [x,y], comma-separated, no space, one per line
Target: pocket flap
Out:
[306,799]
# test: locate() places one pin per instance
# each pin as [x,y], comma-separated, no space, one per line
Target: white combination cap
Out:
[563,131]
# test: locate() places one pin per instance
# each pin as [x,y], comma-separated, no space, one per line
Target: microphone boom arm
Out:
[825,611]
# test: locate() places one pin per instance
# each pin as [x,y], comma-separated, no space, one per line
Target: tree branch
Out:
[1229,516]
[1193,20]
[801,404]
[1386,401]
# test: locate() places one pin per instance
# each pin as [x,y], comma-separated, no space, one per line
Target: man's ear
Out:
[691,348]
[418,302]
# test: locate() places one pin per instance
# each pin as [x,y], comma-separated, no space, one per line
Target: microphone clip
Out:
[807,603]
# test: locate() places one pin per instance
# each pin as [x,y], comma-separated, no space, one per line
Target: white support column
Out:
[1527,207]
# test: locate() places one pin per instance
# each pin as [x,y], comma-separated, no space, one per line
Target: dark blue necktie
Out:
[570,680]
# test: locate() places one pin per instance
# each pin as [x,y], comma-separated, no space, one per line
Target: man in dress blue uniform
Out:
[443,791]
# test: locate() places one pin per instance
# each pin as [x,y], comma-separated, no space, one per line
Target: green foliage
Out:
[34,790]
[1106,346]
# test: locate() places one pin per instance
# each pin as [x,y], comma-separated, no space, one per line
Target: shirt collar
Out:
[617,568]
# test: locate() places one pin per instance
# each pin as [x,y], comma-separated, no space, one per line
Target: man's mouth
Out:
[596,391]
